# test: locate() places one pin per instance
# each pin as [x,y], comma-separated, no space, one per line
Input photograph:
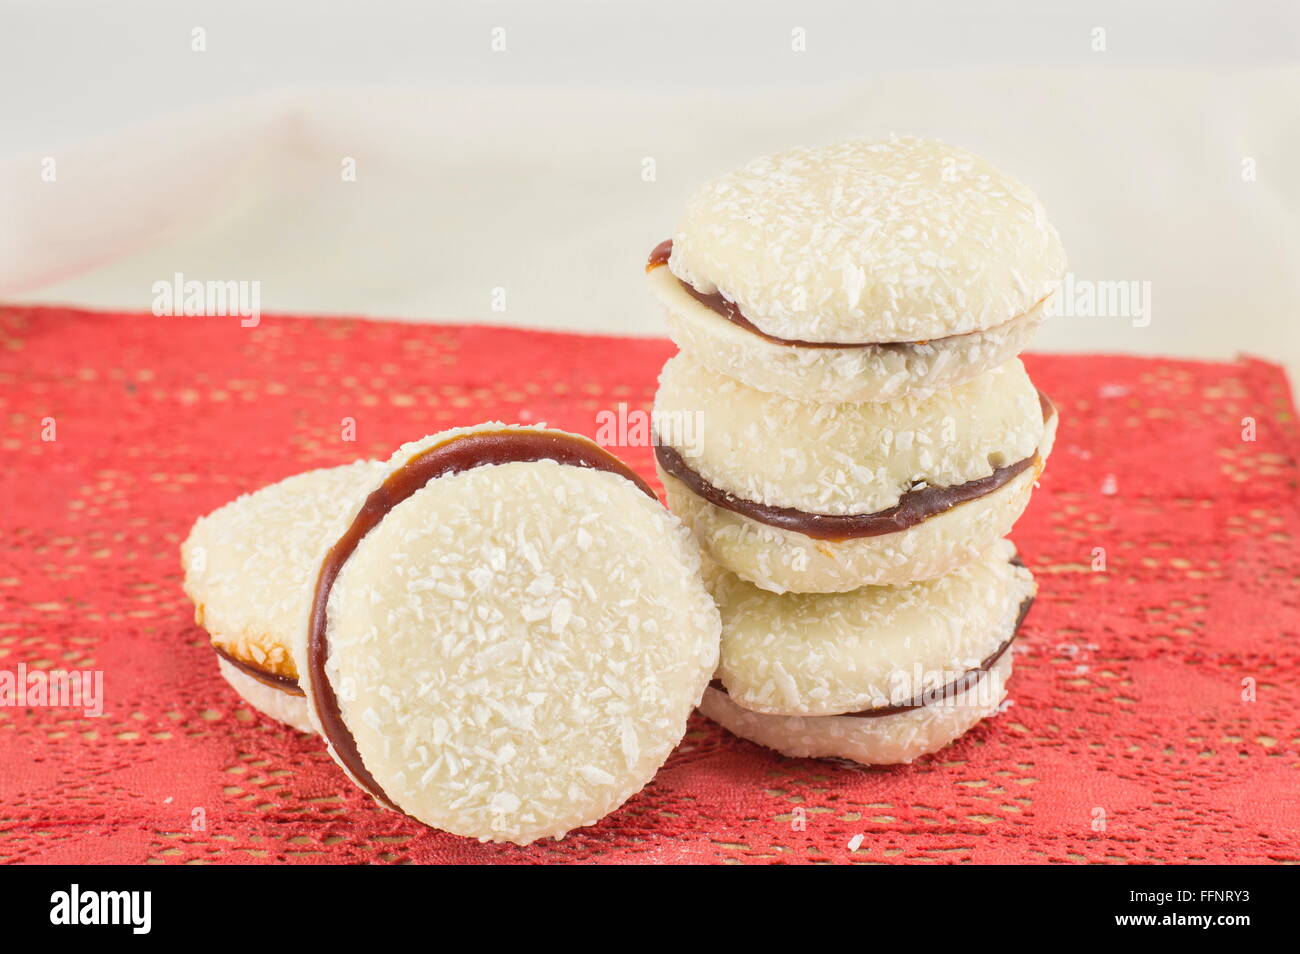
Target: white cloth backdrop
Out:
[543,192]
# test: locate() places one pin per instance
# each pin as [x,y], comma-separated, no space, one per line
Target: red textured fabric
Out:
[1129,738]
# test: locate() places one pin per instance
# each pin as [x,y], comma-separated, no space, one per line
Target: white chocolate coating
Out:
[516,648]
[897,240]
[279,705]
[786,561]
[834,375]
[843,459]
[885,740]
[805,654]
[251,565]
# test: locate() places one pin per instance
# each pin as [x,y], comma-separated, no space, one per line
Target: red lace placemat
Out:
[1155,700]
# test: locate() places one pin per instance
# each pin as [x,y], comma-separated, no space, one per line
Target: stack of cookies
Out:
[862,437]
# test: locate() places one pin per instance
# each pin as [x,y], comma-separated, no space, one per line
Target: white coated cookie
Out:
[248,569]
[783,561]
[804,654]
[516,647]
[900,240]
[870,373]
[883,740]
[287,707]
[842,460]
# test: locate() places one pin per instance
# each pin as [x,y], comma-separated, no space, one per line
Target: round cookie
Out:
[282,700]
[884,740]
[860,271]
[247,570]
[872,372]
[880,675]
[507,640]
[826,654]
[825,498]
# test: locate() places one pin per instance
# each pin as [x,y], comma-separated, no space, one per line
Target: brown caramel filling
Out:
[272,679]
[912,508]
[719,304]
[452,457]
[967,680]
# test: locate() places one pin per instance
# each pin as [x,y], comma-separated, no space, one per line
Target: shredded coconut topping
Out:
[823,654]
[874,373]
[517,647]
[887,740]
[899,240]
[251,565]
[849,458]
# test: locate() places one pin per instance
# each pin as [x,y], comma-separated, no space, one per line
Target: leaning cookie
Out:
[862,271]
[878,675]
[507,639]
[248,574]
[826,498]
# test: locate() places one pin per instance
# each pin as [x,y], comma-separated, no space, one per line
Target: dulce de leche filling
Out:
[272,679]
[458,454]
[966,681]
[913,506]
[721,305]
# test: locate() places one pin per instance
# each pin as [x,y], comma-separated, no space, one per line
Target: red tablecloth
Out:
[1133,735]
